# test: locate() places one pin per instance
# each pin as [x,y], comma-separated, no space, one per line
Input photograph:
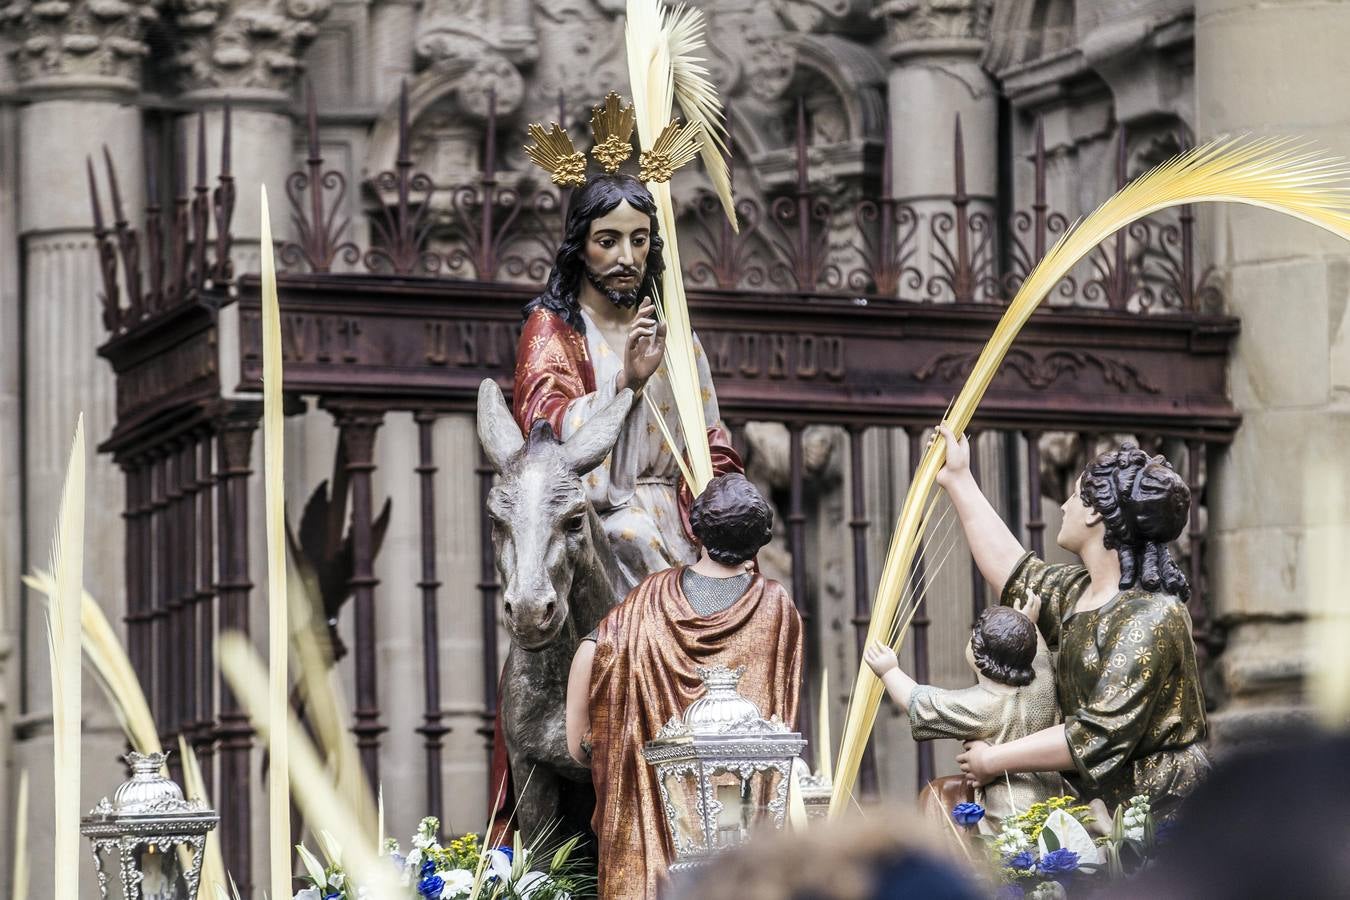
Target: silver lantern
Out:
[723,770]
[158,836]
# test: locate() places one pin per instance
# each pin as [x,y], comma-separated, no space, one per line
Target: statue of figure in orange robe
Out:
[592,333]
[638,669]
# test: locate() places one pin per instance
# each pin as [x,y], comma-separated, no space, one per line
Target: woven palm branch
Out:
[1275,173]
[652,70]
[278,613]
[316,796]
[63,640]
[698,101]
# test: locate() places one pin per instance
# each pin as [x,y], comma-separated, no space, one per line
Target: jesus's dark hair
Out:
[601,196]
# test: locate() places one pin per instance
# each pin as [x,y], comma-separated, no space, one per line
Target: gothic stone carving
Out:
[78,41]
[244,45]
[920,20]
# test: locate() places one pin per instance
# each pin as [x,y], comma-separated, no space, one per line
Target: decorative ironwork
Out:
[401,233]
[967,270]
[802,222]
[319,229]
[1040,223]
[170,262]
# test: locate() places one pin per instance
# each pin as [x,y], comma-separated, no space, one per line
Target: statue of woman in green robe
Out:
[1125,672]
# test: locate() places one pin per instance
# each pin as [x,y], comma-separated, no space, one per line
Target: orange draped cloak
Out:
[646,652]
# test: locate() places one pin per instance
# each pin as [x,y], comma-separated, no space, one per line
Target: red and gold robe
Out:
[563,376]
[646,653]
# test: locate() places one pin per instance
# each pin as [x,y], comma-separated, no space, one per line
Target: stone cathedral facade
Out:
[77,76]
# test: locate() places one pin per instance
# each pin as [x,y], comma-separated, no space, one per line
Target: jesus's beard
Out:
[621,299]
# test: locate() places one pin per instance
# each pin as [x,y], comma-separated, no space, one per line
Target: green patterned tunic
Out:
[1128,686]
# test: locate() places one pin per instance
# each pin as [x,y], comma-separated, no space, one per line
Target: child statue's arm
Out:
[994,547]
[886,665]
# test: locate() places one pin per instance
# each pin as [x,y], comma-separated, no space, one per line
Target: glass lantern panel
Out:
[161,875]
[682,788]
[743,804]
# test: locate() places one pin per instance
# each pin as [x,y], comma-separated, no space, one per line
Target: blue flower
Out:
[1010,892]
[1164,832]
[428,869]
[967,814]
[335,895]
[510,854]
[1057,862]
[1021,862]
[430,886]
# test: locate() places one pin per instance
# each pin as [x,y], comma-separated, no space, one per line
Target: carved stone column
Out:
[76,65]
[1290,374]
[248,50]
[935,48]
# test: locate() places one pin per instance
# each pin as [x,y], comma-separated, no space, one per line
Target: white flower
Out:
[308,894]
[457,882]
[499,864]
[1071,836]
[1012,840]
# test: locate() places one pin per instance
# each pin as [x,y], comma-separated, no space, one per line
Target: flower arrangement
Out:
[1039,852]
[463,869]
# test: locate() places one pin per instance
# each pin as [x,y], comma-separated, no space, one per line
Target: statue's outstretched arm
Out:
[996,550]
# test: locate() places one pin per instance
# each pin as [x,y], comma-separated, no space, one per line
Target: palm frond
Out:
[63,633]
[653,84]
[112,669]
[278,629]
[19,875]
[1280,174]
[340,833]
[698,101]
[213,876]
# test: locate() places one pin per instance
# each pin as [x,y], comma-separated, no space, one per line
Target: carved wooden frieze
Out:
[809,359]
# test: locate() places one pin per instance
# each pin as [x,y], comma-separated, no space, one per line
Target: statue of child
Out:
[1014,695]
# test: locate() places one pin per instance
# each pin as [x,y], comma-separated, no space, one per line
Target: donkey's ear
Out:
[497,430]
[596,438]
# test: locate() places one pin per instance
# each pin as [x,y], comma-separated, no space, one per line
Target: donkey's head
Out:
[541,520]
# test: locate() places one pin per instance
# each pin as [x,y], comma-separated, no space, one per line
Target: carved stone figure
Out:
[1129,689]
[1013,696]
[591,334]
[639,669]
[558,580]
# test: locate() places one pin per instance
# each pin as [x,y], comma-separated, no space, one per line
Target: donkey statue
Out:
[558,580]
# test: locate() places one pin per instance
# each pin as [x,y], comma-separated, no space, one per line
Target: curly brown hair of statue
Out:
[731,519]
[1144,505]
[1003,643]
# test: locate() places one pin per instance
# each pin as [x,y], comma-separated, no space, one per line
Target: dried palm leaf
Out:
[698,101]
[63,639]
[653,84]
[19,879]
[213,878]
[111,667]
[1274,173]
[278,614]
[319,801]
